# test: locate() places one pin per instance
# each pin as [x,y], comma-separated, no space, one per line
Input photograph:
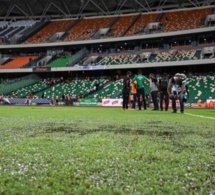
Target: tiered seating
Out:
[112,90]
[3,24]
[10,29]
[24,91]
[61,61]
[121,25]
[49,30]
[201,88]
[164,56]
[18,62]
[186,55]
[73,88]
[85,28]
[22,23]
[141,22]
[148,57]
[8,86]
[117,59]
[181,20]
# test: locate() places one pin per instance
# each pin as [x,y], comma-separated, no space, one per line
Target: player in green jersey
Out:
[141,82]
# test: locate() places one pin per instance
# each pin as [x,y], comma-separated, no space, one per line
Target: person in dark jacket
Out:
[176,90]
[126,90]
[164,96]
[153,84]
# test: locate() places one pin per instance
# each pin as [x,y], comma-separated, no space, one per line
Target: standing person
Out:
[126,90]
[134,93]
[176,90]
[141,81]
[56,99]
[27,100]
[67,99]
[164,96]
[43,95]
[63,97]
[153,84]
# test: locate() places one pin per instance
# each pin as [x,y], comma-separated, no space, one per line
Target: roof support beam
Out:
[160,6]
[120,5]
[12,6]
[59,9]
[193,3]
[105,6]
[10,9]
[83,6]
[197,3]
[46,8]
[66,7]
[98,7]
[208,2]
[29,8]
[141,5]
[14,9]
[148,5]
[49,5]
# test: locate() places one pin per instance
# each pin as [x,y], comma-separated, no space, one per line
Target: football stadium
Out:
[70,122]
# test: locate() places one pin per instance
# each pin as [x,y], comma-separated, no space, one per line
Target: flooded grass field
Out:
[89,150]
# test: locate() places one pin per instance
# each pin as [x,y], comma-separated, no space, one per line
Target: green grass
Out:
[88,150]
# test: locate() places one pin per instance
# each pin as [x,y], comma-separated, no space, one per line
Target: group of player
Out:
[173,88]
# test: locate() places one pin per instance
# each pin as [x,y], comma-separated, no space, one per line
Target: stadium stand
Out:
[162,56]
[111,90]
[49,30]
[187,55]
[121,25]
[10,85]
[201,88]
[86,28]
[18,62]
[85,58]
[61,61]
[117,59]
[30,89]
[22,23]
[182,20]
[71,87]
[3,24]
[9,28]
[133,57]
[141,22]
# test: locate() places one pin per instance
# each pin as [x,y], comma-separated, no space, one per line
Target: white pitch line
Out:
[200,116]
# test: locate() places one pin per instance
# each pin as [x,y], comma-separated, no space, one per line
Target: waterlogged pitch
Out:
[89,150]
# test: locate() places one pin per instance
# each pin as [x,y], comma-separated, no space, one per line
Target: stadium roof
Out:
[19,9]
